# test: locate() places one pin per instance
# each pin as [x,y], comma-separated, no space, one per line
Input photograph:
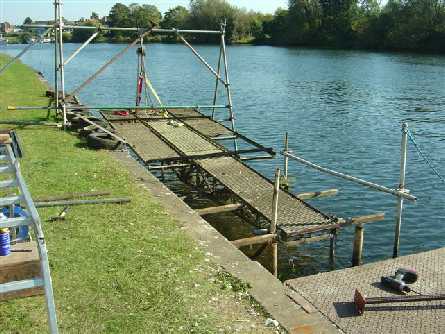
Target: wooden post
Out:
[333,242]
[403,158]
[358,246]
[273,226]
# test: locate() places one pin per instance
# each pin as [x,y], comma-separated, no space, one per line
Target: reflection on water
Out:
[342,109]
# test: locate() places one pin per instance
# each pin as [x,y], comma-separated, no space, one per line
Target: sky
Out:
[15,11]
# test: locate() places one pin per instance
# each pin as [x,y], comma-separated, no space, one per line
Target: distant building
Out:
[6,27]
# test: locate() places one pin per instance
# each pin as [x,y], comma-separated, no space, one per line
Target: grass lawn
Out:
[115,268]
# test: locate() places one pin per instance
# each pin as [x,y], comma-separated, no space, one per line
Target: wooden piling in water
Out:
[333,242]
[358,245]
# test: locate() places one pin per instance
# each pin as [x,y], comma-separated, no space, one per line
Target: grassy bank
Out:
[116,269]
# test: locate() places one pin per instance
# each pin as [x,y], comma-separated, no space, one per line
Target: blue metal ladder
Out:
[10,165]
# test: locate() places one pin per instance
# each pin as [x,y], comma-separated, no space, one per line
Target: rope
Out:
[155,94]
[425,156]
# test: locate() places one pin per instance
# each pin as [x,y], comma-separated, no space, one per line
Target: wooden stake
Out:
[317,194]
[261,239]
[358,246]
[333,242]
[275,258]
[344,222]
[305,241]
[219,209]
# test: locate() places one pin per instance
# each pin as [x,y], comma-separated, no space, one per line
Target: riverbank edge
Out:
[283,304]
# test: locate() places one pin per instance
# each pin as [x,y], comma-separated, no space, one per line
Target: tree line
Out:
[413,25]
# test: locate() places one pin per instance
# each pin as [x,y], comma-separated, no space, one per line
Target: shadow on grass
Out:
[84,145]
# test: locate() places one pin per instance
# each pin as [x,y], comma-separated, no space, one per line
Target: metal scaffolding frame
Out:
[61,106]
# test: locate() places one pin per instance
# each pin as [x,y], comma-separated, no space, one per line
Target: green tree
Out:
[81,35]
[177,17]
[366,26]
[119,16]
[414,25]
[277,29]
[144,16]
[337,17]
[94,16]
[209,14]
[305,18]
[28,20]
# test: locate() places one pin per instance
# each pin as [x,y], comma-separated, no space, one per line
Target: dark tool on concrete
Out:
[361,301]
[400,280]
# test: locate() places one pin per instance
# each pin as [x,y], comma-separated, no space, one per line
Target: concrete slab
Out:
[332,294]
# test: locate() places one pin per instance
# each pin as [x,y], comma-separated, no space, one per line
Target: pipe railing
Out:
[155,31]
[119,107]
[399,193]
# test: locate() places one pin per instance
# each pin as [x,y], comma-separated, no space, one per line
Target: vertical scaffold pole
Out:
[139,70]
[227,79]
[286,158]
[403,159]
[56,55]
[61,60]
[215,95]
[273,226]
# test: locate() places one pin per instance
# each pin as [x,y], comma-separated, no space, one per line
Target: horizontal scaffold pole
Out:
[122,200]
[157,30]
[371,185]
[117,107]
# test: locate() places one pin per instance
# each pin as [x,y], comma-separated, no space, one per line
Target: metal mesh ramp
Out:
[334,300]
[185,140]
[294,215]
[147,145]
[156,138]
[194,118]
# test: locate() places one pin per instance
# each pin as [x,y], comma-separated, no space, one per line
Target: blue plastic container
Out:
[5,243]
[23,232]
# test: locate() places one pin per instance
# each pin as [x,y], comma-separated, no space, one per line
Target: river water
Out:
[342,109]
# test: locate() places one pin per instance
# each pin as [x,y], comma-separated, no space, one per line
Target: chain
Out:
[425,156]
